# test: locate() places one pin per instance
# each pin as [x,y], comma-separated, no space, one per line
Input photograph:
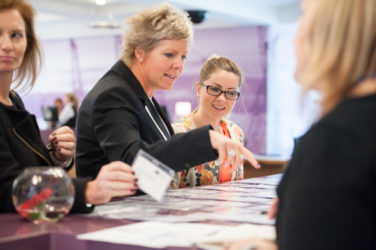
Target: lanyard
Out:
[155,123]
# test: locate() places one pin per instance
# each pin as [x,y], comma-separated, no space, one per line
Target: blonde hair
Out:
[73,99]
[342,47]
[28,71]
[147,28]
[215,63]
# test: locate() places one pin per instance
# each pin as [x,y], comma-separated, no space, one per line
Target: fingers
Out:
[113,180]
[64,154]
[120,176]
[273,208]
[229,151]
[63,143]
[249,156]
[251,243]
[63,150]
[116,189]
[237,159]
[215,140]
[67,137]
[118,166]
[61,131]
[117,172]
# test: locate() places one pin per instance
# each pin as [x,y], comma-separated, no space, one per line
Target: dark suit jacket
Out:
[112,124]
[327,196]
[20,147]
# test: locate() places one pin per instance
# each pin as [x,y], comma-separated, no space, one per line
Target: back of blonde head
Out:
[342,47]
[145,29]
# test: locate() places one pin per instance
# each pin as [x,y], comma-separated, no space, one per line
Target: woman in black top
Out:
[20,142]
[119,115]
[327,196]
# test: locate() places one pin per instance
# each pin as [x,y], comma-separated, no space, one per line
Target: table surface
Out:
[235,202]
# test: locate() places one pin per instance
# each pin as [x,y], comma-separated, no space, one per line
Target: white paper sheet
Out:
[161,234]
[244,201]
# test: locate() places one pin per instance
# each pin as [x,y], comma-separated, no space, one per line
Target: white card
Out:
[153,176]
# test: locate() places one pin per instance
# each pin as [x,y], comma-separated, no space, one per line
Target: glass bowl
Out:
[43,194]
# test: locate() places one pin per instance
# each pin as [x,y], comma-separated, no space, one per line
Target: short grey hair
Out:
[145,29]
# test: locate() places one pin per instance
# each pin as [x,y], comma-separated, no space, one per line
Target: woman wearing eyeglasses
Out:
[218,90]
[120,116]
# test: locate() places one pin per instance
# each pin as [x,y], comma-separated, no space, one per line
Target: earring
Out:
[141,59]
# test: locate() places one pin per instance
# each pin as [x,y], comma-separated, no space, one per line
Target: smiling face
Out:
[160,67]
[217,107]
[12,40]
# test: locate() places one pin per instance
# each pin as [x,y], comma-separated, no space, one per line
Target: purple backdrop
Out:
[90,58]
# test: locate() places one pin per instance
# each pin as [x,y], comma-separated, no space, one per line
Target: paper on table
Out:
[160,234]
[236,233]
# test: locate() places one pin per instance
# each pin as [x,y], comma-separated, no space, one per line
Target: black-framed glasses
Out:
[215,91]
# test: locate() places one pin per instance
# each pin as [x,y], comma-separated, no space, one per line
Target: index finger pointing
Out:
[249,156]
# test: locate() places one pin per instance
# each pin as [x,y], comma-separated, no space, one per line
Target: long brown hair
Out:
[28,71]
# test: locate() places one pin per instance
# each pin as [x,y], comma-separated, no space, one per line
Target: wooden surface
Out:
[269,166]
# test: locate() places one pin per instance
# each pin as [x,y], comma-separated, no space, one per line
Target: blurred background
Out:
[81,40]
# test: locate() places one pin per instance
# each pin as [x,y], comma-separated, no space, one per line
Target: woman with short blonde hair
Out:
[152,26]
[120,116]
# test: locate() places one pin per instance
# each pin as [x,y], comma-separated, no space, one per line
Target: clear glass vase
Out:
[43,194]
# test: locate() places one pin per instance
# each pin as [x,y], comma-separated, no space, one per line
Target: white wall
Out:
[288,114]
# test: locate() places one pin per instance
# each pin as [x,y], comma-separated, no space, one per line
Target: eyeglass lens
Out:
[231,95]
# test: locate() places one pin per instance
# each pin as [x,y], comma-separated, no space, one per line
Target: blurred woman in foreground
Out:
[327,197]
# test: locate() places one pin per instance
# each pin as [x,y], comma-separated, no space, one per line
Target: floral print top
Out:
[210,172]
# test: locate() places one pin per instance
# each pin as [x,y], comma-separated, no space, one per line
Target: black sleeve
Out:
[327,196]
[9,171]
[79,205]
[117,122]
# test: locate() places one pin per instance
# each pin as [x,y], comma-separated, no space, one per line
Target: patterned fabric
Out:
[210,172]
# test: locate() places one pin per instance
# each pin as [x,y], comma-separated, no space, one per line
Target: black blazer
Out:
[327,196]
[112,124]
[20,147]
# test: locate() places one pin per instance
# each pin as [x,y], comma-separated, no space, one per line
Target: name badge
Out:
[153,176]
